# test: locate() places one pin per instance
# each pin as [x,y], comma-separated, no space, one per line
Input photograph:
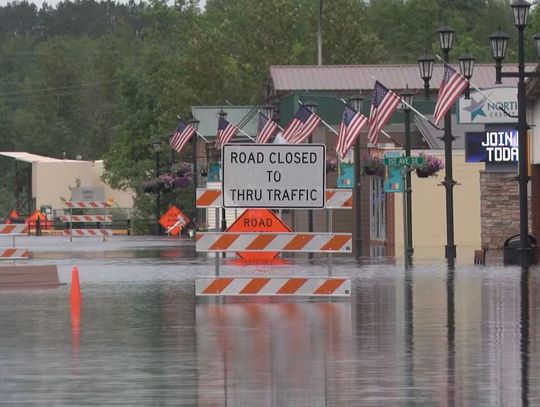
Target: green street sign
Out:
[402,161]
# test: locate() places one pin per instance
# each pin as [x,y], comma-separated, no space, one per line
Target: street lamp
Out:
[407,99]
[312,107]
[446,39]
[193,122]
[499,41]
[156,145]
[466,67]
[425,64]
[268,111]
[356,103]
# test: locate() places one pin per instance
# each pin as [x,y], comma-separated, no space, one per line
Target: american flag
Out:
[266,129]
[225,132]
[383,103]
[452,84]
[181,135]
[351,124]
[302,125]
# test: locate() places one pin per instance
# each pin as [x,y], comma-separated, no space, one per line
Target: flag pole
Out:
[323,122]
[482,93]
[414,110]
[382,131]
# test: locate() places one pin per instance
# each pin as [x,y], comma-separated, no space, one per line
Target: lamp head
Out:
[466,65]
[425,64]
[356,102]
[499,41]
[312,106]
[446,38]
[156,145]
[520,8]
[407,96]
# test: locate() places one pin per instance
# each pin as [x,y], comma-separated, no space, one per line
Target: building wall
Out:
[429,212]
[51,182]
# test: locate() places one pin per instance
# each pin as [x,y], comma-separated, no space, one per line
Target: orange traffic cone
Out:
[75,291]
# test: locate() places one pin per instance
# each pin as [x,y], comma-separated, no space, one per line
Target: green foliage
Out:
[103,79]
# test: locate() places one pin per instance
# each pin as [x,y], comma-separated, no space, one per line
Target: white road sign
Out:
[274,176]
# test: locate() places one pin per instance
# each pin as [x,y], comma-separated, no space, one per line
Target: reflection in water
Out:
[277,353]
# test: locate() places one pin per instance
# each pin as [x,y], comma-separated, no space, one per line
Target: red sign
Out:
[173,220]
[258,220]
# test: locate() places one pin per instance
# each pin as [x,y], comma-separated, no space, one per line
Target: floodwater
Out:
[423,337]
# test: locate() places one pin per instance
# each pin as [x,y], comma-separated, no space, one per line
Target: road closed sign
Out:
[277,176]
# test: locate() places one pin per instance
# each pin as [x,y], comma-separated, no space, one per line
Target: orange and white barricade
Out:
[89,232]
[14,254]
[86,218]
[275,286]
[87,204]
[13,230]
[273,242]
[335,198]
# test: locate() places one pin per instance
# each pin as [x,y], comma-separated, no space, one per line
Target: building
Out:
[47,182]
[381,218]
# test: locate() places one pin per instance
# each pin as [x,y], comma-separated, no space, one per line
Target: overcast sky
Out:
[54,2]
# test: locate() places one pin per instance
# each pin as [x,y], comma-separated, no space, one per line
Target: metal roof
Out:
[207,115]
[33,158]
[285,78]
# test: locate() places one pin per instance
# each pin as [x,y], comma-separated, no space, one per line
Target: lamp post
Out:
[312,106]
[222,114]
[193,122]
[407,96]
[356,103]
[499,42]
[156,145]
[446,38]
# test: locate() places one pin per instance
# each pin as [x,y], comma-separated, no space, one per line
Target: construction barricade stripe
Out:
[87,204]
[13,253]
[335,198]
[13,229]
[273,242]
[88,232]
[86,218]
[262,286]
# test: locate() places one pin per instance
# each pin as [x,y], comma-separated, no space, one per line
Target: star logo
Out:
[476,108]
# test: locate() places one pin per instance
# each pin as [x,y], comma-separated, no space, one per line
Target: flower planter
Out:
[423,173]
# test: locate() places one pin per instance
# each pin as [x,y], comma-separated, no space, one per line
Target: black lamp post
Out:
[156,145]
[193,122]
[222,114]
[407,96]
[312,106]
[499,42]
[446,40]
[425,64]
[356,103]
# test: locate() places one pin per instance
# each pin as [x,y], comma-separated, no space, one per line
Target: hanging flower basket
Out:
[153,186]
[165,183]
[331,165]
[373,166]
[431,167]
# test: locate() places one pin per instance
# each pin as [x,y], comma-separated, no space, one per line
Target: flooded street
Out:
[422,337]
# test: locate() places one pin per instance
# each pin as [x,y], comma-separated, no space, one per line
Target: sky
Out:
[55,2]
